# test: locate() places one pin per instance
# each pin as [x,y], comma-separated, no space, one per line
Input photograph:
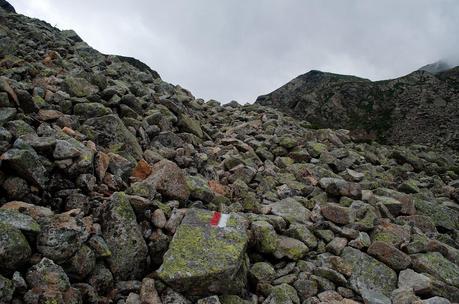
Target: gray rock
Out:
[340,187]
[438,266]
[110,132]
[371,278]
[18,220]
[14,248]
[27,165]
[124,238]
[291,210]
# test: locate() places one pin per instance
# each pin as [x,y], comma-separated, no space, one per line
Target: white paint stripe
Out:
[223,220]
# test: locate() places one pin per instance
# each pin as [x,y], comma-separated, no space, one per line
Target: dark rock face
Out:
[418,108]
[117,187]
[6,6]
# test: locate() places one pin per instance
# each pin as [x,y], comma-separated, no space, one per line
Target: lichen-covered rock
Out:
[438,266]
[18,220]
[290,248]
[283,293]
[124,238]
[47,280]
[371,278]
[199,189]
[6,289]
[14,248]
[27,165]
[190,125]
[291,210]
[265,237]
[261,272]
[440,214]
[340,187]
[110,132]
[62,236]
[78,87]
[205,259]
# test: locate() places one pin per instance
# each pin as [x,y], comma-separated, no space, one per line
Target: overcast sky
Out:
[239,49]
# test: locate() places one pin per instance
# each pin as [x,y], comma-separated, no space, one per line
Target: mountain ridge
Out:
[404,110]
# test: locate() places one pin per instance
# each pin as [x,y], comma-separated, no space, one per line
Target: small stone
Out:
[290,248]
[283,293]
[158,218]
[306,288]
[291,210]
[336,246]
[209,300]
[6,290]
[329,296]
[148,293]
[389,255]
[420,283]
[141,171]
[340,187]
[174,220]
[65,149]
[265,236]
[336,213]
[261,272]
[403,296]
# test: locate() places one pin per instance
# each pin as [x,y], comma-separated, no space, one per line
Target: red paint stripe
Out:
[215,218]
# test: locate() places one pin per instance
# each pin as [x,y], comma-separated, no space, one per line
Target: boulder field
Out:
[117,187]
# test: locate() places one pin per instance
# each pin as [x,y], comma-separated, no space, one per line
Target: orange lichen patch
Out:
[217,188]
[141,171]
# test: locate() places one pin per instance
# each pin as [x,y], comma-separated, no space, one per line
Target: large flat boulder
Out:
[207,256]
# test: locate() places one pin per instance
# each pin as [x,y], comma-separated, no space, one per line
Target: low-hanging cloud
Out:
[239,49]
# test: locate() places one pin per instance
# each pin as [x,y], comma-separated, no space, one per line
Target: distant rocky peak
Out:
[436,67]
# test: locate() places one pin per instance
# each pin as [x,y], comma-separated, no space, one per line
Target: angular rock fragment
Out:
[27,165]
[204,258]
[124,238]
[371,278]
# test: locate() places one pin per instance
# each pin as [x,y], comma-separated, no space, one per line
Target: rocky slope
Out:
[419,108]
[116,187]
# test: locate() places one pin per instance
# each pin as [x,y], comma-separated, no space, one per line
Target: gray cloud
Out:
[239,49]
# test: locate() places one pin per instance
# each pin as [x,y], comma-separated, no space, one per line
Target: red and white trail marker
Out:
[219,219]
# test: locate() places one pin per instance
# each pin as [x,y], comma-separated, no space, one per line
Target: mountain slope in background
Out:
[420,108]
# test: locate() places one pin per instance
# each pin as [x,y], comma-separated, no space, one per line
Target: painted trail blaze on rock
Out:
[204,257]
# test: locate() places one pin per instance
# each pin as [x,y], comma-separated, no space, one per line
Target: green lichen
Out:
[122,207]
